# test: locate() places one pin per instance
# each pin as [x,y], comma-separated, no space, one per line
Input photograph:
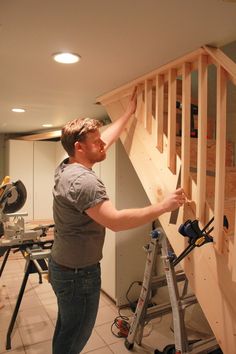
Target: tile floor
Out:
[35,322]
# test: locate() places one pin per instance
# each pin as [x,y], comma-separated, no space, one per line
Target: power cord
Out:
[121,323]
[132,304]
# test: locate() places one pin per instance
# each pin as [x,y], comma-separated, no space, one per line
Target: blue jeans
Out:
[77,293]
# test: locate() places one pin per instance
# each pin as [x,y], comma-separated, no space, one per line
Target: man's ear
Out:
[78,146]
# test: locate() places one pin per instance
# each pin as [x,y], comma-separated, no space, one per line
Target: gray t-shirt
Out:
[78,240]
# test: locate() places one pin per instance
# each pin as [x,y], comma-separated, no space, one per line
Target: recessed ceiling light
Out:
[18,110]
[66,58]
[47,125]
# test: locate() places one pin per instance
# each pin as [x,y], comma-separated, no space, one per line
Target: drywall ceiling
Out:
[118,41]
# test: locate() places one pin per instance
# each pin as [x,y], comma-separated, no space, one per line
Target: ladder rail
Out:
[181,342]
[141,308]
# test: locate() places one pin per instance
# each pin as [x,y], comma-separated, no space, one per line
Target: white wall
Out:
[2,157]
[123,255]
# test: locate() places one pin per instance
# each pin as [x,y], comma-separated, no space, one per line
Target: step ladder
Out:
[177,304]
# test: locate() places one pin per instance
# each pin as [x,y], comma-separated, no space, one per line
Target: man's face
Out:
[93,147]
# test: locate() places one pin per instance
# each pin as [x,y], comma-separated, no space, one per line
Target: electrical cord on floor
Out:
[121,322]
[132,304]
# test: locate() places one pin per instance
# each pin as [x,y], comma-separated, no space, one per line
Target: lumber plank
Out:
[41,136]
[186,104]
[202,138]
[171,144]
[219,58]
[159,114]
[220,157]
[148,105]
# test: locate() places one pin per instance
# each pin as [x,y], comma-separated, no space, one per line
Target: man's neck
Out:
[76,160]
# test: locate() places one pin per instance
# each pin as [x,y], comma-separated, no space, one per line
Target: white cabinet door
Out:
[33,162]
[60,153]
[43,171]
[19,165]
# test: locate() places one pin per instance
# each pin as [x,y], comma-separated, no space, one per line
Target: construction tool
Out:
[171,278]
[15,236]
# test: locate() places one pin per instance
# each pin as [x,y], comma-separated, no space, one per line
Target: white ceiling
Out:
[118,40]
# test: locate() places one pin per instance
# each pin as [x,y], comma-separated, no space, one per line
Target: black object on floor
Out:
[170,349]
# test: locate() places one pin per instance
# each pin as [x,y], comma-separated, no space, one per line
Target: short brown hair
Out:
[76,130]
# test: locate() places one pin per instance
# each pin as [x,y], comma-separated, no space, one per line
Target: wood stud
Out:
[171,146]
[202,138]
[148,106]
[185,146]
[159,114]
[220,158]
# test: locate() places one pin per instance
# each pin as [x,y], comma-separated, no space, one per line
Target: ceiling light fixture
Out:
[18,110]
[66,58]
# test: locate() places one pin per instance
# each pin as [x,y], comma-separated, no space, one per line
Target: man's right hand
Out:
[174,200]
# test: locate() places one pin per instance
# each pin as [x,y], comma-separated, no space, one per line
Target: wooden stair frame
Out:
[210,269]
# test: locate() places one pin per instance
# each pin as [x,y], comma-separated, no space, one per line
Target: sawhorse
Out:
[36,255]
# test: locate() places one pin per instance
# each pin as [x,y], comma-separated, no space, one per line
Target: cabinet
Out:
[33,162]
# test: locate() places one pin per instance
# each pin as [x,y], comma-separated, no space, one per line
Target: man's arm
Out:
[107,215]
[113,132]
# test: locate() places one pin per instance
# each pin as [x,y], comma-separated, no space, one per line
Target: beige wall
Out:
[2,156]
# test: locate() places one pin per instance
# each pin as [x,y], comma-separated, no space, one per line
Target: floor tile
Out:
[5,316]
[105,314]
[51,310]
[105,298]
[105,333]
[119,348]
[30,316]
[102,302]
[103,350]
[158,334]
[45,287]
[95,342]
[16,351]
[27,302]
[16,342]
[12,293]
[39,348]
[36,333]
[47,299]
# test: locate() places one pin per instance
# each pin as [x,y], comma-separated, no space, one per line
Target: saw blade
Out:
[16,198]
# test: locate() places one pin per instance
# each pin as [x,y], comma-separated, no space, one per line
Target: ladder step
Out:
[165,308]
[204,346]
[188,300]
[157,311]
[160,281]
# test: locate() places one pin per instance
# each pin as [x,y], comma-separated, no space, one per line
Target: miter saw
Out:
[16,234]
[13,230]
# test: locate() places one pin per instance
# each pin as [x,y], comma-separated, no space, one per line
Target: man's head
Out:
[76,131]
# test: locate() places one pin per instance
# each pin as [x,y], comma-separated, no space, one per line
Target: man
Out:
[82,211]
